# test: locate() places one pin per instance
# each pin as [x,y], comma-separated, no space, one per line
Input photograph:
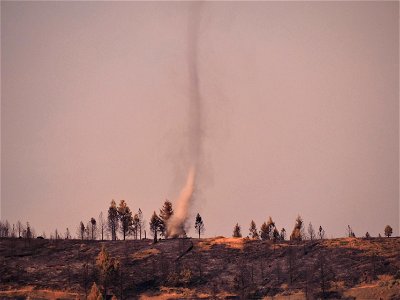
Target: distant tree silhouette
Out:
[311,232]
[283,234]
[270,228]
[135,226]
[297,230]
[28,231]
[199,224]
[67,234]
[102,225]
[13,231]
[253,230]
[141,223]
[93,228]
[5,229]
[388,231]
[81,230]
[321,233]
[165,213]
[113,219]
[87,230]
[275,235]
[367,235]
[350,231]
[264,234]
[125,216]
[237,231]
[155,225]
[20,228]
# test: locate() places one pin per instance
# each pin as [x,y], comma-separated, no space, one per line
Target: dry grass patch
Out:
[170,293]
[142,254]
[233,243]
[31,292]
[167,293]
[373,291]
[294,296]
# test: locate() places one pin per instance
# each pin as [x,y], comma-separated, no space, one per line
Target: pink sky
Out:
[299,99]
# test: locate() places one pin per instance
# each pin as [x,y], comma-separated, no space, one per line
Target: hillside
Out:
[223,268]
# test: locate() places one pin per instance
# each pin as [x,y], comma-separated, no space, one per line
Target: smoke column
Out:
[176,224]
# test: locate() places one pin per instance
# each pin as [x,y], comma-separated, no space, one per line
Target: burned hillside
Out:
[201,268]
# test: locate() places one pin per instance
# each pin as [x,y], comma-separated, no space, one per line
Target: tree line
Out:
[119,223]
[269,231]
[120,219]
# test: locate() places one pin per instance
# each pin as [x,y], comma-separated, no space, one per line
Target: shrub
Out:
[94,293]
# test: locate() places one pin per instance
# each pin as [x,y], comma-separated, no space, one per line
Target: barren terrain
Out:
[221,268]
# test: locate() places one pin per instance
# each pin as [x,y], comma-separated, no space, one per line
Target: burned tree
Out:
[81,230]
[275,235]
[135,226]
[108,268]
[322,274]
[270,228]
[141,223]
[388,231]
[20,228]
[237,231]
[165,213]
[199,225]
[113,220]
[125,216]
[297,230]
[155,225]
[283,234]
[93,228]
[102,225]
[67,234]
[350,232]
[291,260]
[321,233]
[5,229]
[253,230]
[311,232]
[264,231]
[29,234]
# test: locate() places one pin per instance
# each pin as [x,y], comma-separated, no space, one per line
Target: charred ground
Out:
[204,268]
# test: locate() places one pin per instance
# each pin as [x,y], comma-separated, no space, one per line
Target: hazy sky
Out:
[299,112]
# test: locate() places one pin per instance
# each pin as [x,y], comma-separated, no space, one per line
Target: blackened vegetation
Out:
[248,269]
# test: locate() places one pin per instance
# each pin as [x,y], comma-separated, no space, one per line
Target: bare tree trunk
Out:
[155,236]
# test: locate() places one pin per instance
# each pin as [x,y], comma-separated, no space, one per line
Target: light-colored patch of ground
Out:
[378,290]
[294,296]
[145,253]
[170,293]
[167,293]
[342,242]
[31,292]
[367,245]
[234,243]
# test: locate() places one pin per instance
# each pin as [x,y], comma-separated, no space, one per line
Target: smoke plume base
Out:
[175,225]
